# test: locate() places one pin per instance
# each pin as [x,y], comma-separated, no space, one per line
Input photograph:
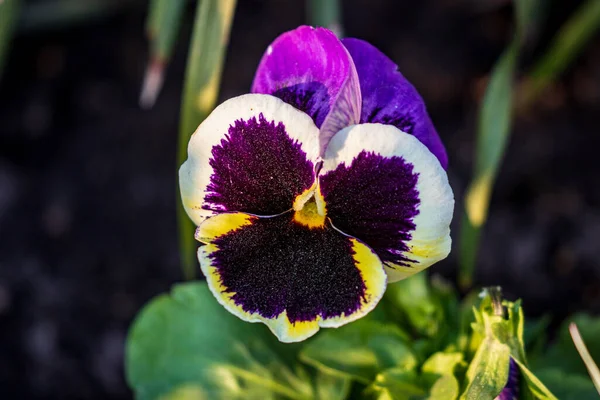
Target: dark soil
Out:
[88,180]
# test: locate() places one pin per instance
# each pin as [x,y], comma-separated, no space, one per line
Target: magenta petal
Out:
[310,69]
[388,98]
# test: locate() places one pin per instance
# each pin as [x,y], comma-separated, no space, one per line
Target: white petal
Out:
[195,174]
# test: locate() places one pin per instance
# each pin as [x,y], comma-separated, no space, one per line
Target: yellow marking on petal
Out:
[371,270]
[309,216]
[429,250]
[309,208]
[303,197]
[299,330]
[221,224]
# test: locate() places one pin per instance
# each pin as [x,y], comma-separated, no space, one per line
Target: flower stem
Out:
[326,13]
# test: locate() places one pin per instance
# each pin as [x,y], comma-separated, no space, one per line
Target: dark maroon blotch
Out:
[257,169]
[374,199]
[276,264]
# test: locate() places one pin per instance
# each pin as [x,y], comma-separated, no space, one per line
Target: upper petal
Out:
[310,69]
[388,98]
[253,153]
[385,188]
[286,275]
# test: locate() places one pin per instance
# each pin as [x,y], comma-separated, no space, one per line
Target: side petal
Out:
[385,188]
[388,98]
[290,277]
[254,153]
[310,69]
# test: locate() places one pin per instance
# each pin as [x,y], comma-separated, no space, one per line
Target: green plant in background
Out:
[496,115]
[185,344]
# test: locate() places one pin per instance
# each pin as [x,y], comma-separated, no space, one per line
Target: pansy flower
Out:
[317,189]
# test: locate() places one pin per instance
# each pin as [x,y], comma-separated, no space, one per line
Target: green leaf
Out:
[439,373]
[412,301]
[186,344]
[9,12]
[203,76]
[496,339]
[359,350]
[435,382]
[331,387]
[493,130]
[488,372]
[535,386]
[568,386]
[396,384]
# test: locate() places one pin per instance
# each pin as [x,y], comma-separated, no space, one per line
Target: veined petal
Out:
[384,187]
[310,69]
[388,98]
[286,275]
[254,153]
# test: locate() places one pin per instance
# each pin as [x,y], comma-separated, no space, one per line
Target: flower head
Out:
[319,188]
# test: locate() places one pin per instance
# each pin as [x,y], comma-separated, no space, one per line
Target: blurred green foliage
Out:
[185,343]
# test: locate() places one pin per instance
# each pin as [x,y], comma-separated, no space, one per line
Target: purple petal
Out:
[310,69]
[511,390]
[388,98]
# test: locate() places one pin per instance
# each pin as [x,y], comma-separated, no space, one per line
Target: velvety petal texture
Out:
[310,69]
[511,390]
[254,153]
[385,188]
[388,98]
[292,278]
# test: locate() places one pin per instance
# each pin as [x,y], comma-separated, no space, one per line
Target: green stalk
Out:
[9,12]
[162,27]
[568,43]
[203,76]
[326,13]
[585,356]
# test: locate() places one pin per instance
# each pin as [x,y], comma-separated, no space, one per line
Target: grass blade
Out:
[493,129]
[9,11]
[203,75]
[585,356]
[495,117]
[565,47]
[162,26]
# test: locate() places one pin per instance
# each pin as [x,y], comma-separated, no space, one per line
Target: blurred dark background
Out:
[88,179]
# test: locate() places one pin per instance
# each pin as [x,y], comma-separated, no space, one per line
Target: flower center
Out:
[309,215]
[309,208]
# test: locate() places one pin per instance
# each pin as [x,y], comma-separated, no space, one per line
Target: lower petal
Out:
[290,277]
